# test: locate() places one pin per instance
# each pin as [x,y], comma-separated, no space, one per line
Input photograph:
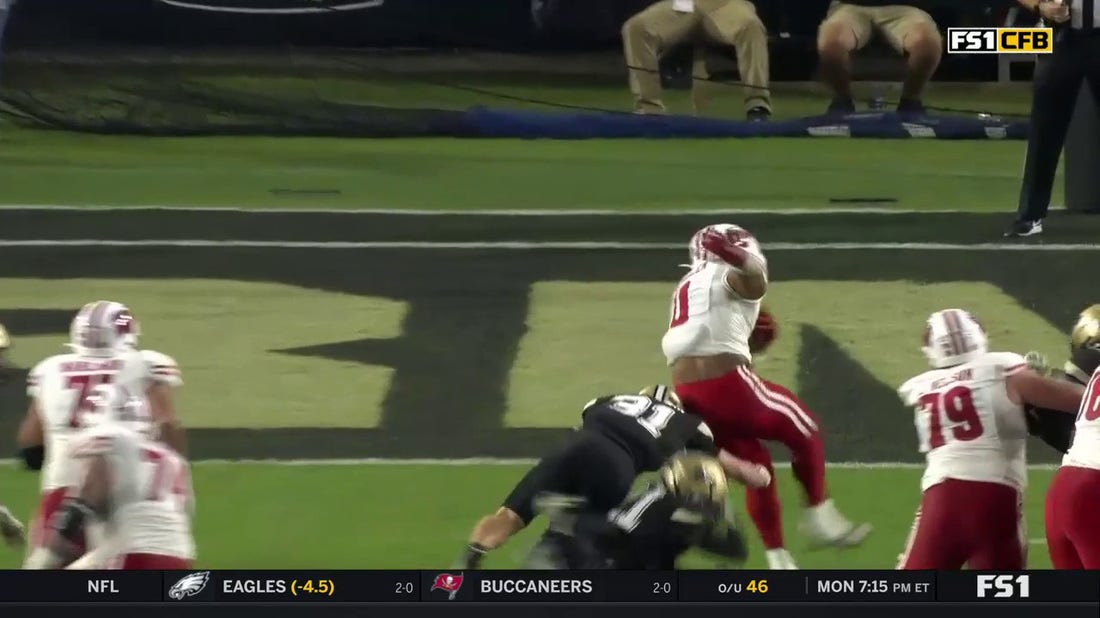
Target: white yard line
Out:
[539,245]
[523,212]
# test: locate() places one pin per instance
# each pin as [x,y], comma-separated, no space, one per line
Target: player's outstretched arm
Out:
[1028,387]
[747,473]
[30,438]
[748,277]
[491,532]
[86,504]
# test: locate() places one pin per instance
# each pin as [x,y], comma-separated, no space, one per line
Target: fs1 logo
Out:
[1004,586]
[1000,40]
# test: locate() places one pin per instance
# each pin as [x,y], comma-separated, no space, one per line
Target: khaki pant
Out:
[895,22]
[654,31]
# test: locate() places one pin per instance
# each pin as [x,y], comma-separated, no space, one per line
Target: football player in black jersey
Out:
[1052,426]
[686,508]
[620,437]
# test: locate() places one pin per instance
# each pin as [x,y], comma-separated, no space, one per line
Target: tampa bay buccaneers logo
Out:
[449,583]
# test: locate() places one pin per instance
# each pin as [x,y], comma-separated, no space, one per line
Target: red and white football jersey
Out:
[61,385]
[967,426]
[708,317]
[1085,450]
[152,499]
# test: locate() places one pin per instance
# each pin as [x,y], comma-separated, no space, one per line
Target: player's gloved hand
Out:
[11,529]
[728,247]
[1038,363]
[1056,11]
[764,333]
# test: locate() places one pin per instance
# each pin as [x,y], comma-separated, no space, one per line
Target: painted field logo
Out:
[1000,40]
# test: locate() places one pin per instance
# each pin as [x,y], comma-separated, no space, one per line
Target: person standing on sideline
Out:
[662,26]
[849,26]
[1058,79]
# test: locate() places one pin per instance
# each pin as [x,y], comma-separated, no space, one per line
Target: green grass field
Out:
[38,167]
[431,353]
[417,516]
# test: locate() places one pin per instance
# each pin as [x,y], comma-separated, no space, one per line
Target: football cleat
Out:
[826,527]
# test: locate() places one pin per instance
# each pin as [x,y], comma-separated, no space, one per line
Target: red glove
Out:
[764,333]
[730,247]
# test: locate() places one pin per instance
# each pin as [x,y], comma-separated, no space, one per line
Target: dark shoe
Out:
[840,106]
[1020,229]
[911,107]
[758,114]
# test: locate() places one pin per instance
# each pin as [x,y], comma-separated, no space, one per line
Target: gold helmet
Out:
[662,394]
[698,479]
[1084,350]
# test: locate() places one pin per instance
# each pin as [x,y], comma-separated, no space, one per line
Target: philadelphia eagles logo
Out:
[189,586]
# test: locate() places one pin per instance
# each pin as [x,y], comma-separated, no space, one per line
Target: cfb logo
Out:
[1004,586]
[1000,40]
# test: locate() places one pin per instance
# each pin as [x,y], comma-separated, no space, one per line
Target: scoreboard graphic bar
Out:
[296,587]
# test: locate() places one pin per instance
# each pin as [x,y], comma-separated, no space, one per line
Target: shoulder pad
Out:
[1007,362]
[162,368]
[37,373]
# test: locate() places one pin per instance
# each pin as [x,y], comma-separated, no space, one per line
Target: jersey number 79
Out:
[957,405]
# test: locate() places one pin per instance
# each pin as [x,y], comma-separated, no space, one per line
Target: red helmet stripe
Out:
[953,320]
[94,338]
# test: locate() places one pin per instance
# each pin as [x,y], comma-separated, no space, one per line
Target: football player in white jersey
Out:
[715,309]
[1073,536]
[137,489]
[971,427]
[101,335]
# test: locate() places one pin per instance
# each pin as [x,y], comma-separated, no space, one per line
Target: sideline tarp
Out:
[493,122]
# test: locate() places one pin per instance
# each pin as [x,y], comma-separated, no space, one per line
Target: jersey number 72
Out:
[85,383]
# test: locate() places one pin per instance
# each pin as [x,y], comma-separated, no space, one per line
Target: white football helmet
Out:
[953,337]
[103,328]
[743,237]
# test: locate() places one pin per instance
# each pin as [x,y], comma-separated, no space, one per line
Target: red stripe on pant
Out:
[742,409]
[1073,536]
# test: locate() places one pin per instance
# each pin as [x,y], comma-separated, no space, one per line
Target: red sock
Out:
[762,504]
[766,513]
